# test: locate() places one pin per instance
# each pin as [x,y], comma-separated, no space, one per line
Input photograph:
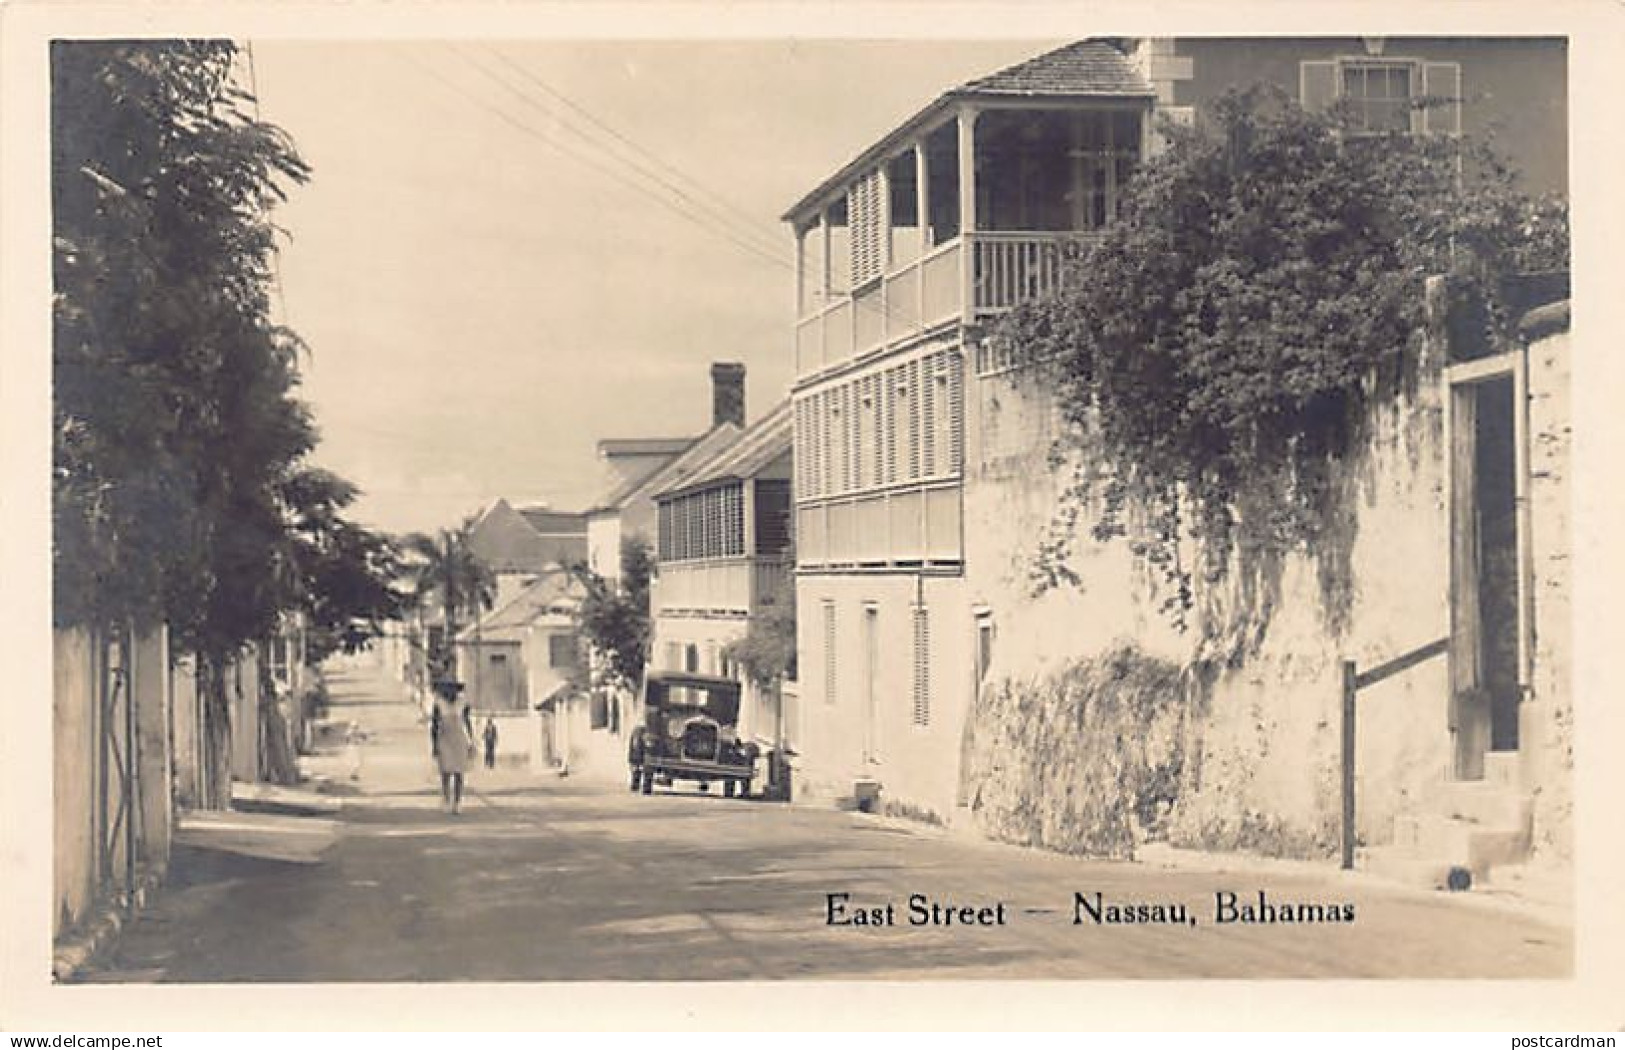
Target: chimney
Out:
[727,393]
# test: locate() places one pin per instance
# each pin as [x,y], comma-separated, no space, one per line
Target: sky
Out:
[487,286]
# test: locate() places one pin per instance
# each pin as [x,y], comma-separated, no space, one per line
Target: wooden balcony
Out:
[718,587]
[1002,269]
[908,525]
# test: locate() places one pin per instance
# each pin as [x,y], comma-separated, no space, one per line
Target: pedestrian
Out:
[490,742]
[352,750]
[451,740]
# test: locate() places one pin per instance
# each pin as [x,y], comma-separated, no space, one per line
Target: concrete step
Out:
[1503,768]
[1484,802]
[1460,843]
[1406,865]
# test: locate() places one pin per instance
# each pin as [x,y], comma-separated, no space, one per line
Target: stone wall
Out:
[1261,772]
[1547,715]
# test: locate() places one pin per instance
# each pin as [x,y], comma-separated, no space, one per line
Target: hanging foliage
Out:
[1217,353]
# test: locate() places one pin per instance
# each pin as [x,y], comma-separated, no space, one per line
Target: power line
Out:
[714,202]
[612,172]
[687,207]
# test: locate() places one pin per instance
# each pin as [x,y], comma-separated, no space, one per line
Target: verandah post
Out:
[1347,763]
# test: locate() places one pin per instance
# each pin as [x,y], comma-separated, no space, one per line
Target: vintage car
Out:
[690,731]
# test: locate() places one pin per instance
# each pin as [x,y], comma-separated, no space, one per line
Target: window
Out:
[1379,93]
[942,182]
[1387,94]
[984,645]
[922,666]
[561,650]
[903,184]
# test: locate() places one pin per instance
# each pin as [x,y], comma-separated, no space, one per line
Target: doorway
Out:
[1488,560]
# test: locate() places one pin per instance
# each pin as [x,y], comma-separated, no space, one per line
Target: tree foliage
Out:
[181,489]
[614,616]
[445,571]
[1218,351]
[767,652]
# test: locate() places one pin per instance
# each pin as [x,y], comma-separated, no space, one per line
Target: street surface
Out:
[543,878]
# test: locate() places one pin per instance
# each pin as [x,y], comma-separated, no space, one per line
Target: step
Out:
[1460,843]
[1405,865]
[1484,802]
[1503,768]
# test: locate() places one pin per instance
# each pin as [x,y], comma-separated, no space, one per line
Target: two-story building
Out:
[958,214]
[724,554]
[923,483]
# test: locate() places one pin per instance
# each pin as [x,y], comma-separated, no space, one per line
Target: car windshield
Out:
[720,701]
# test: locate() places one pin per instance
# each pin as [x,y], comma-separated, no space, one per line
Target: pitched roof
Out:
[702,448]
[756,446]
[1084,69]
[554,522]
[643,446]
[507,541]
[1087,67]
[553,593]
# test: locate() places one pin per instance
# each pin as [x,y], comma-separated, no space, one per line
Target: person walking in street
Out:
[490,742]
[352,750]
[451,740]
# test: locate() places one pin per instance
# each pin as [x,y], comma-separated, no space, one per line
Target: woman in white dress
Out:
[451,739]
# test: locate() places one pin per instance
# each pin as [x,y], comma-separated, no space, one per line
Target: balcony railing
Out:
[1004,269]
[732,586]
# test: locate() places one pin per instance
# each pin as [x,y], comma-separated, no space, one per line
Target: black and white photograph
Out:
[910,504]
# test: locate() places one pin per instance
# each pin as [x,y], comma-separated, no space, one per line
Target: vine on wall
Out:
[1218,353]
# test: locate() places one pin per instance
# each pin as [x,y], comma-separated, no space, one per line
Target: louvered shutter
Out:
[863,211]
[956,413]
[929,465]
[1317,85]
[829,652]
[1441,84]
[922,666]
[854,420]
[914,406]
[888,426]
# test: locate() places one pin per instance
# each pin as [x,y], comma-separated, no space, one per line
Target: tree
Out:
[1220,349]
[347,573]
[446,571]
[767,652]
[615,619]
[178,439]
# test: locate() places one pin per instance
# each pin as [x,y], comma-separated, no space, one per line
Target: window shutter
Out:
[863,208]
[1441,85]
[922,666]
[829,652]
[888,426]
[1317,85]
[821,442]
[914,409]
[956,413]
[930,464]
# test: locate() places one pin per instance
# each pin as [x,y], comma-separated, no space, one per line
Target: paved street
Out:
[543,878]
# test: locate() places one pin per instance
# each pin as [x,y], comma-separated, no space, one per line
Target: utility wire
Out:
[597,165]
[713,202]
[609,164]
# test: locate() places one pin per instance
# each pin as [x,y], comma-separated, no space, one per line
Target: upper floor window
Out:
[705,524]
[1379,94]
[1386,94]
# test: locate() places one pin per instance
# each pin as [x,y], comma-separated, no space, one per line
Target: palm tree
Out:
[444,568]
